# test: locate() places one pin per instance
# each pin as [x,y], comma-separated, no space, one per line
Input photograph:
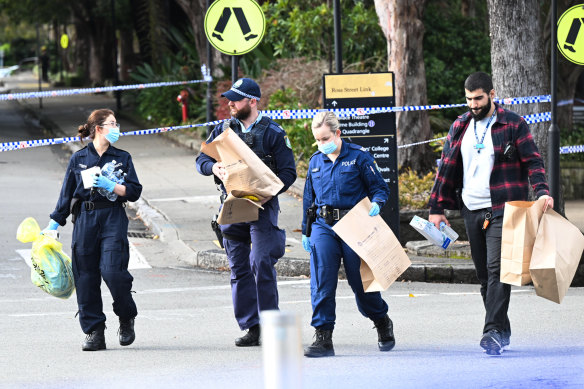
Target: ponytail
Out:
[96,118]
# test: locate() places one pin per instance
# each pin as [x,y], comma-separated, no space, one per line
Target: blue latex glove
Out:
[104,182]
[374,211]
[53,225]
[306,243]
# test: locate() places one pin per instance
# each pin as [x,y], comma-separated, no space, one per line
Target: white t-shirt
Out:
[477,167]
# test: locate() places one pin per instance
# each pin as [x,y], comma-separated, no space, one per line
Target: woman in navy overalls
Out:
[100,246]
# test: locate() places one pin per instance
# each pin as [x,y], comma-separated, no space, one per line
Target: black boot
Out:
[252,338]
[95,340]
[322,346]
[126,332]
[385,338]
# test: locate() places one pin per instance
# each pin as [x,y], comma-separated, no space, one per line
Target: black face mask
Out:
[483,112]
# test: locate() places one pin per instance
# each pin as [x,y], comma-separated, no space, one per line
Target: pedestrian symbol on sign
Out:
[239,35]
[571,34]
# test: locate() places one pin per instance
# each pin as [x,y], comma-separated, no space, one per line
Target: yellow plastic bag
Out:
[51,267]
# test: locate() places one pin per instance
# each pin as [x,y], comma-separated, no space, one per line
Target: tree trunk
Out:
[196,10]
[518,61]
[401,22]
[468,9]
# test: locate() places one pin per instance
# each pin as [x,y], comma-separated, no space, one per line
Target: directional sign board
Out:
[235,27]
[377,132]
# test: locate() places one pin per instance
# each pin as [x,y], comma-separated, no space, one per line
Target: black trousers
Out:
[485,247]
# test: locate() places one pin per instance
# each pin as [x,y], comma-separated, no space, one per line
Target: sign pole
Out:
[554,131]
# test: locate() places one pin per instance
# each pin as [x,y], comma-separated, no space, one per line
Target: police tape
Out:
[9,146]
[572,149]
[72,92]
[344,112]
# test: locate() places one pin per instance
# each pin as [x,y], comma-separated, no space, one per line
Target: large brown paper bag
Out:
[520,222]
[556,254]
[383,259]
[246,175]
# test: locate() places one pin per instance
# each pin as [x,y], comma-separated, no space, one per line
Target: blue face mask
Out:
[328,148]
[113,135]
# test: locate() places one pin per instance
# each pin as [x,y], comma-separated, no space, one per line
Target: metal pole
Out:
[338,41]
[209,89]
[39,64]
[234,66]
[116,76]
[554,130]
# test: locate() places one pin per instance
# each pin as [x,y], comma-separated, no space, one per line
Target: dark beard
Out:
[243,113]
[482,113]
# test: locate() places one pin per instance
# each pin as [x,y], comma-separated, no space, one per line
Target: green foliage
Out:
[298,131]
[454,47]
[574,138]
[415,189]
[304,28]
[159,105]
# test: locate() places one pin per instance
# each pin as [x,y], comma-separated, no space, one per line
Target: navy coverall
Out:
[100,238]
[340,185]
[253,277]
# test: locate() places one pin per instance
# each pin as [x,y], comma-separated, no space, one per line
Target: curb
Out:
[216,259]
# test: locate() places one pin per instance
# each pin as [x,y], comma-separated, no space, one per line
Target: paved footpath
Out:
[177,203]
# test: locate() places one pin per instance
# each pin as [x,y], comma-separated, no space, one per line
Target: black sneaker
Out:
[322,346]
[95,340]
[385,338]
[126,332]
[252,338]
[491,342]
[505,342]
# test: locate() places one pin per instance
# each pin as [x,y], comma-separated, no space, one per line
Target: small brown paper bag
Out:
[556,254]
[520,222]
[383,259]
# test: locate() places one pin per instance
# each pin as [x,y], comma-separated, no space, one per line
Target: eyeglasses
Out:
[113,124]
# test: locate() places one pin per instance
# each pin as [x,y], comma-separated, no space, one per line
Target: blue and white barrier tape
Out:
[71,92]
[9,146]
[572,149]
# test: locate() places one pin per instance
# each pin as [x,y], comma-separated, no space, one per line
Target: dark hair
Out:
[96,118]
[479,80]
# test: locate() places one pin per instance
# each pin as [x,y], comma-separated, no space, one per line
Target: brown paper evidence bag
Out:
[383,259]
[246,175]
[538,247]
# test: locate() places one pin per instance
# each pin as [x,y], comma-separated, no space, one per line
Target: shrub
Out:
[415,189]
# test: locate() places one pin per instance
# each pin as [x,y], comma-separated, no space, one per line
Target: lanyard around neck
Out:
[480,145]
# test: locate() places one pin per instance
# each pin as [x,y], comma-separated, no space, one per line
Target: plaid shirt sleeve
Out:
[531,159]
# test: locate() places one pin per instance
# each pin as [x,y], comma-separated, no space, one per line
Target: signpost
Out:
[376,132]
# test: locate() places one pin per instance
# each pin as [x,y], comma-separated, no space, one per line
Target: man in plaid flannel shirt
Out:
[489,158]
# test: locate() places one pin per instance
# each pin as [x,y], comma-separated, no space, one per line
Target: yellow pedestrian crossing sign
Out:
[235,27]
[571,34]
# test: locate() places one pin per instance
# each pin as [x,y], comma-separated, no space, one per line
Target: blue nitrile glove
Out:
[104,182]
[374,211]
[53,225]
[306,243]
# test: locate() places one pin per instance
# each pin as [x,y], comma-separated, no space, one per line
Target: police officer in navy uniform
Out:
[340,174]
[100,233]
[253,277]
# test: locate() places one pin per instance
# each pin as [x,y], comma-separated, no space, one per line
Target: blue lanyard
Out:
[480,145]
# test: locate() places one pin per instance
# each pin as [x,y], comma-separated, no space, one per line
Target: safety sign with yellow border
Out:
[571,34]
[235,27]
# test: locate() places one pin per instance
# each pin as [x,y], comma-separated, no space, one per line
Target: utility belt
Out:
[330,214]
[90,205]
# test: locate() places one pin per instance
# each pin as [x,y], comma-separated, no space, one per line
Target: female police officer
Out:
[100,234]
[340,174]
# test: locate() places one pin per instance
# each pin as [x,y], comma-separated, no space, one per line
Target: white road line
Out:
[137,260]
[190,199]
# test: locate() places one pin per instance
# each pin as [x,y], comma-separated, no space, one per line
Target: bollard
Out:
[183,98]
[282,349]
